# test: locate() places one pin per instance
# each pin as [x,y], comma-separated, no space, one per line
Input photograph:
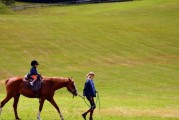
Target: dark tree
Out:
[8,2]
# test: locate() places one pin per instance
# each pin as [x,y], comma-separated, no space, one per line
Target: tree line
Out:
[7,2]
[12,2]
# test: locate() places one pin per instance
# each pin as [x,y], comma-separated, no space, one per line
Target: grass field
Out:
[133,47]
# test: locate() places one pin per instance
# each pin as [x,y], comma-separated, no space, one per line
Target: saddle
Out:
[37,84]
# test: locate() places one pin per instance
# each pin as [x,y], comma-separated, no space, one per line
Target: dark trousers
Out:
[93,105]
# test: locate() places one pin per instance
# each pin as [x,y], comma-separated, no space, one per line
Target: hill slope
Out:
[132,47]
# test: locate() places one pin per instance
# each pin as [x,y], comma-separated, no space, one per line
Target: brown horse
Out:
[17,85]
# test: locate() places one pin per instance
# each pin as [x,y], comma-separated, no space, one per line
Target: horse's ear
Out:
[70,79]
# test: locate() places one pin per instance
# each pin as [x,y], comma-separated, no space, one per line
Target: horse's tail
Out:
[6,81]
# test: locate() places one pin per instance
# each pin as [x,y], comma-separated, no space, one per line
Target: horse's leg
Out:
[8,97]
[0,108]
[16,100]
[40,108]
[52,101]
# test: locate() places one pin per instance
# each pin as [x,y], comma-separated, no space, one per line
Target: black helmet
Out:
[34,62]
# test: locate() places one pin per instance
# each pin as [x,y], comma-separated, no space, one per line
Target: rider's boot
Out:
[84,115]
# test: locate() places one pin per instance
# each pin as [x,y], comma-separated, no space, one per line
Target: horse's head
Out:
[71,87]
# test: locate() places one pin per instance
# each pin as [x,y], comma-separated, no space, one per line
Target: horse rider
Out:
[90,92]
[34,75]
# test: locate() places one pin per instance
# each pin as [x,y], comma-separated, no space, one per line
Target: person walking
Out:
[90,92]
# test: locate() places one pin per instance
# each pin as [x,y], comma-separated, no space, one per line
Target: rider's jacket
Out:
[89,88]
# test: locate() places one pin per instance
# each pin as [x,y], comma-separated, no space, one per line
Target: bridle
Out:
[71,90]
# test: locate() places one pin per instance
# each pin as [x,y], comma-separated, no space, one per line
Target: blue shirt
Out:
[33,71]
[89,88]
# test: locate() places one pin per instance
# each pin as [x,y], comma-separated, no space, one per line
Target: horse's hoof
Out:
[38,118]
[18,119]
[0,110]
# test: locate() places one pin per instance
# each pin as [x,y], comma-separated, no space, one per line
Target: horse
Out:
[18,85]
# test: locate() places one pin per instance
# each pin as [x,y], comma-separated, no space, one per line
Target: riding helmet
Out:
[34,62]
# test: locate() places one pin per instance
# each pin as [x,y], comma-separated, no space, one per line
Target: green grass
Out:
[132,47]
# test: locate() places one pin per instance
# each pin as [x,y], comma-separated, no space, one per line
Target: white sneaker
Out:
[31,83]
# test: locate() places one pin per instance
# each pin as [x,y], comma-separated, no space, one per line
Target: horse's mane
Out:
[55,79]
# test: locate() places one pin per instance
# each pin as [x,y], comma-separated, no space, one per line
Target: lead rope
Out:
[97,101]
[84,100]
